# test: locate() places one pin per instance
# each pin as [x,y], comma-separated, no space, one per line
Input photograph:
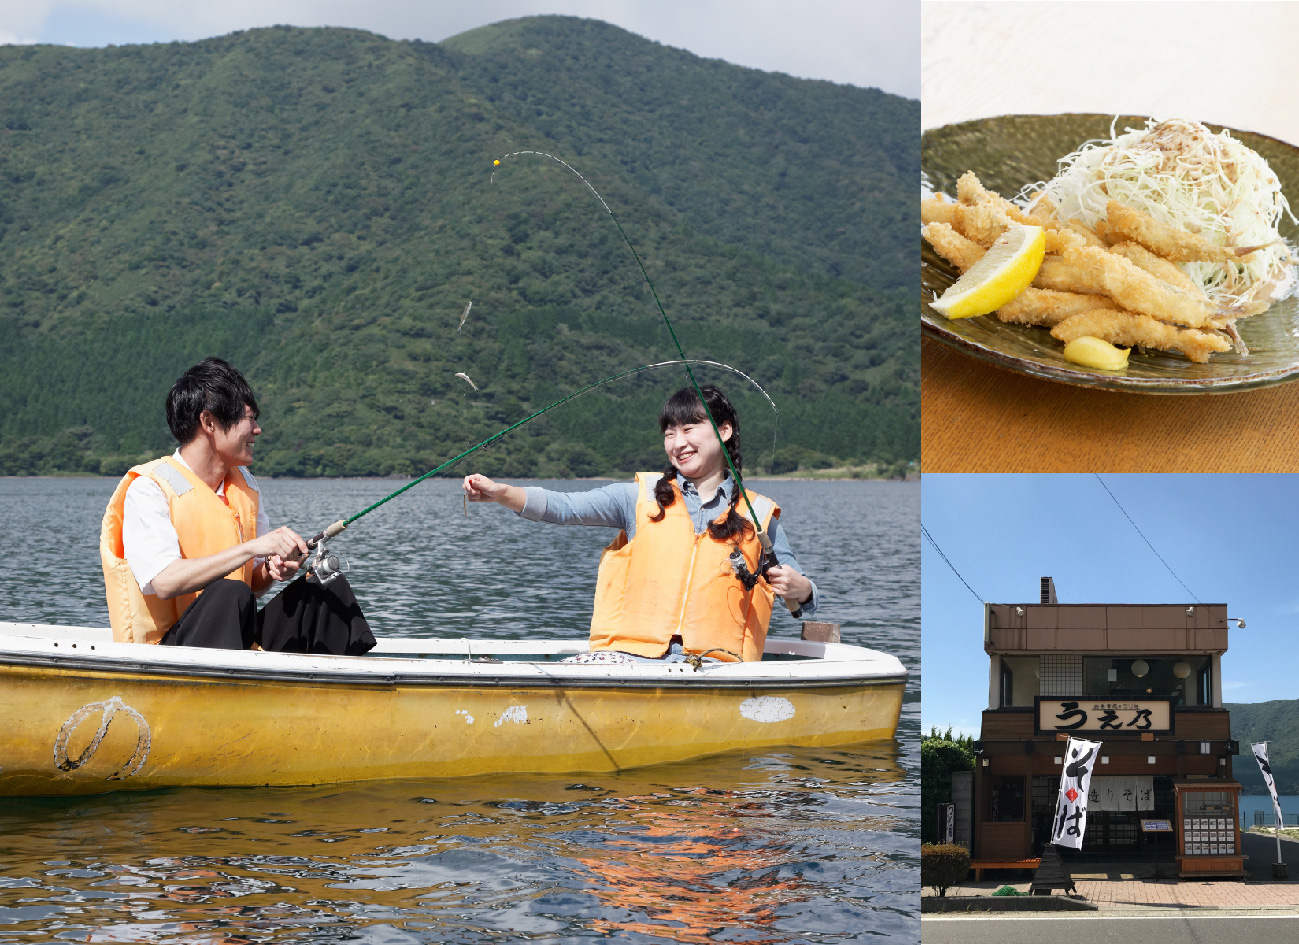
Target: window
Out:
[1006,804]
[1204,802]
[1117,677]
[1204,684]
[1018,680]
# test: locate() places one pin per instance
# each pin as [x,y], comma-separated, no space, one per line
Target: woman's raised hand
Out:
[479,488]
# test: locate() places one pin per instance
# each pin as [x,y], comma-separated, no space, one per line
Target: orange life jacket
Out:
[204,524]
[667,581]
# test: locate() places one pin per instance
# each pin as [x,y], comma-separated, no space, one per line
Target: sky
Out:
[868,43]
[1231,540]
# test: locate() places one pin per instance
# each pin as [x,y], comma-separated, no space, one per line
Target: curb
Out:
[1005,904]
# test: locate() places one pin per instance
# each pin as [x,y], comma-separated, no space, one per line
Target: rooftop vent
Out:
[1048,591]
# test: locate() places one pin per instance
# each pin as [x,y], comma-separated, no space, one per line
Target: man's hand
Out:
[283,543]
[789,584]
[190,574]
[282,569]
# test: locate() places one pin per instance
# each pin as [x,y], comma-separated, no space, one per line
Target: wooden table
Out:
[978,418]
[987,59]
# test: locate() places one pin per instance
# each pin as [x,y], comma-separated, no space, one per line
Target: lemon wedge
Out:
[1093,352]
[1005,270]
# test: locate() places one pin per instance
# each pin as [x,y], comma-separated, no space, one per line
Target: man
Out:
[187,547]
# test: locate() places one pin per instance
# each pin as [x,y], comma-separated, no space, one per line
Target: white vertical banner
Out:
[1260,755]
[1075,781]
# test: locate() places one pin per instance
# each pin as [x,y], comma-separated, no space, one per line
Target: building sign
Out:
[1112,716]
[1071,806]
[946,823]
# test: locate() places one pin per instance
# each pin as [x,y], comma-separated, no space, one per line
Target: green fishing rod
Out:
[326,565]
[763,539]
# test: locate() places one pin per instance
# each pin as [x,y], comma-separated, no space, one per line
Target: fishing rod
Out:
[326,565]
[764,539]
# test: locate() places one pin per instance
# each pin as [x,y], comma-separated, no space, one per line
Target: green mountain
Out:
[318,206]
[1276,723]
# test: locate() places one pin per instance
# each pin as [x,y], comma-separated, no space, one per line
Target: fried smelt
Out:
[937,210]
[971,192]
[1237,342]
[983,216]
[1126,328]
[1170,242]
[1042,209]
[983,222]
[1079,228]
[952,246]
[1049,308]
[1157,266]
[1061,240]
[1098,272]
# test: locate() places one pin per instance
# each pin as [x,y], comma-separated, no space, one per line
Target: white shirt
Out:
[149,539]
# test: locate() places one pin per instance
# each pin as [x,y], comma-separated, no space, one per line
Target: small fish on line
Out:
[465,315]
[465,377]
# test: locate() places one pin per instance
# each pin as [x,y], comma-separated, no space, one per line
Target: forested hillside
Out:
[319,206]
[1272,722]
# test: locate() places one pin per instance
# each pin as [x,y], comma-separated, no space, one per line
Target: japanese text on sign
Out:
[1096,715]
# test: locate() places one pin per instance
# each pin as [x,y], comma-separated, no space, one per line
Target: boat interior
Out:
[479,648]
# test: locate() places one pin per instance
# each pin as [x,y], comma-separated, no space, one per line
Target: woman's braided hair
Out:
[684,408]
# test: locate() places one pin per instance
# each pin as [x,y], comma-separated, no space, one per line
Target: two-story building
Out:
[1145,680]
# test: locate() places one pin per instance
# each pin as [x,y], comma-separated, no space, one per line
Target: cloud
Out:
[13,39]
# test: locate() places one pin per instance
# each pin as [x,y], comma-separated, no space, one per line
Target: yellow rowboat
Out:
[81,714]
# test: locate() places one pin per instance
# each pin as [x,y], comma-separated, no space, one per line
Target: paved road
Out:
[1261,850]
[1112,928]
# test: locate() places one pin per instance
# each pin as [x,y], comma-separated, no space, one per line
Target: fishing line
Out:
[341,524]
[762,535]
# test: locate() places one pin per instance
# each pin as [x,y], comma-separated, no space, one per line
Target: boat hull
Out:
[88,724]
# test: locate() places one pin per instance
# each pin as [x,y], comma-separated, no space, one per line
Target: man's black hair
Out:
[211,385]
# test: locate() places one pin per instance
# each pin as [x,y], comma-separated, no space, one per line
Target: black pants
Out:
[303,618]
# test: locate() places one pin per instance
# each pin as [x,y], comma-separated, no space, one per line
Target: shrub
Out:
[943,865]
[941,753]
[1008,891]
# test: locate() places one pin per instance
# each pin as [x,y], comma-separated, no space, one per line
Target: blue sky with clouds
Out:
[1231,539]
[869,43]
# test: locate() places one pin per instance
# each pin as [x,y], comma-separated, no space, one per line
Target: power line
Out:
[1143,537]
[924,531]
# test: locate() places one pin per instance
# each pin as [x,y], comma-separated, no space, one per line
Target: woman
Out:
[679,578]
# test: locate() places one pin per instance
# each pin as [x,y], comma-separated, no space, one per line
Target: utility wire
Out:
[1144,538]
[924,531]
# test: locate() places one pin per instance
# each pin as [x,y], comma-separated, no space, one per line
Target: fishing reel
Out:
[750,578]
[741,568]
[326,565]
[323,563]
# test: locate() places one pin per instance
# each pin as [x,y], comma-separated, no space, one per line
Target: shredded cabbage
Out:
[1182,174]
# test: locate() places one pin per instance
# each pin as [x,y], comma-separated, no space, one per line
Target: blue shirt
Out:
[614,506]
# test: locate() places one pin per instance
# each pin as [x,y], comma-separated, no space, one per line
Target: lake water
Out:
[788,846]
[1249,803]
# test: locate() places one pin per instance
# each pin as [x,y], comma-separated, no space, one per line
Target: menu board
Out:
[1209,836]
